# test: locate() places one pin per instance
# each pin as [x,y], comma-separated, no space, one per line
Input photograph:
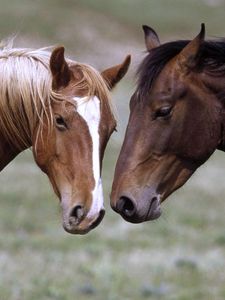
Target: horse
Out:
[176,122]
[62,109]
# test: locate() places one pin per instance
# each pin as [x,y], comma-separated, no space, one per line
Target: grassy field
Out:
[181,256]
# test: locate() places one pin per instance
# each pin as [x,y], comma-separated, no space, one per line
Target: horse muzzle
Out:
[144,206]
[76,221]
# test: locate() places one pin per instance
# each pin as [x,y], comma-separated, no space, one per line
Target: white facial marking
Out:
[89,110]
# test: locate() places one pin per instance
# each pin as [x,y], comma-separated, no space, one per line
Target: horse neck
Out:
[7,153]
[14,138]
[24,96]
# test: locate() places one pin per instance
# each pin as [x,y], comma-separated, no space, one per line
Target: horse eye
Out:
[163,111]
[60,122]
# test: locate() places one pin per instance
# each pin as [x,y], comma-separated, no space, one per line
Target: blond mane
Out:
[26,93]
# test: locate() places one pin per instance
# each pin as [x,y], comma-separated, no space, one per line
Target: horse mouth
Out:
[98,220]
[84,226]
[154,211]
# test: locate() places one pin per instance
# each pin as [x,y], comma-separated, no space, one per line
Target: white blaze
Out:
[89,110]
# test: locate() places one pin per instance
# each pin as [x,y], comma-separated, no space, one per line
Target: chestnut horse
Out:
[177,120]
[62,110]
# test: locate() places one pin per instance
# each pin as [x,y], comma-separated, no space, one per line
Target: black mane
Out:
[211,58]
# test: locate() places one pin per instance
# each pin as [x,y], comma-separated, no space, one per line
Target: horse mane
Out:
[26,94]
[211,58]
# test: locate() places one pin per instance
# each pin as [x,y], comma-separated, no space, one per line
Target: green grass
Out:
[181,256]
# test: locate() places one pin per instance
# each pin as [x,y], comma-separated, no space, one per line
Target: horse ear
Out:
[114,74]
[61,73]
[151,38]
[188,57]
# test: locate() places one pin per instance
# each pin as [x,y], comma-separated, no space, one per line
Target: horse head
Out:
[71,149]
[176,122]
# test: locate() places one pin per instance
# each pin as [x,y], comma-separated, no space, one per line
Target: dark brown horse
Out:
[176,122]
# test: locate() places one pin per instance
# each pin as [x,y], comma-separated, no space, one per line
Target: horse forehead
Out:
[169,84]
[89,109]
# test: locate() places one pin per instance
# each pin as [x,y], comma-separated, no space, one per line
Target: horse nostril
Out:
[76,214]
[126,207]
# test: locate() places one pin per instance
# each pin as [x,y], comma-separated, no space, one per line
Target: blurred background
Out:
[181,255]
